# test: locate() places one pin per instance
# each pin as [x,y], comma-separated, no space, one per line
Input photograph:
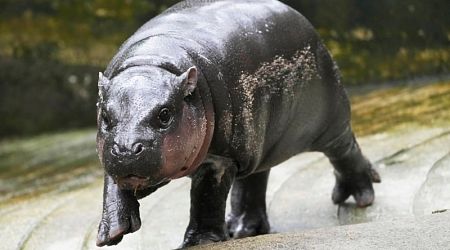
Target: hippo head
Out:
[151,126]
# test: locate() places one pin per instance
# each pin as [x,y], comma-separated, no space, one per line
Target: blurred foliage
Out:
[385,109]
[40,95]
[383,40]
[51,50]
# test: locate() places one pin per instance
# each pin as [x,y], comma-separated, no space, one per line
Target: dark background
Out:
[52,50]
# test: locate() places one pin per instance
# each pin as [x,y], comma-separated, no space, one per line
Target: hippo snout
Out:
[120,151]
[138,158]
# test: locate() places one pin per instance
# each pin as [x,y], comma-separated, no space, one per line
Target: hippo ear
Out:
[189,80]
[102,80]
[102,83]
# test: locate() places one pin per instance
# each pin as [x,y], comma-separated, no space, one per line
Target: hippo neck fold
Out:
[208,111]
[195,160]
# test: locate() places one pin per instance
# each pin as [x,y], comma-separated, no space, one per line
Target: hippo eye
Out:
[165,117]
[105,119]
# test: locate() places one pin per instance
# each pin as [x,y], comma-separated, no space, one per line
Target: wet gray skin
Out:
[221,91]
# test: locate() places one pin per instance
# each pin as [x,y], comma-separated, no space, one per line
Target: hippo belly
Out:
[221,91]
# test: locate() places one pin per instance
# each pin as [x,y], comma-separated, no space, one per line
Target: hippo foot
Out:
[116,222]
[248,224]
[357,185]
[195,237]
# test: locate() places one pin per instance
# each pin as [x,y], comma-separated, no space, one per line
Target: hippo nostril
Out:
[115,150]
[138,148]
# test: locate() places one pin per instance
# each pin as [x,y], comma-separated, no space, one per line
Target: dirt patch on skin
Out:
[281,76]
[225,124]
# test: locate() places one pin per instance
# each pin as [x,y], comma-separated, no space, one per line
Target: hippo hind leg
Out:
[248,215]
[354,172]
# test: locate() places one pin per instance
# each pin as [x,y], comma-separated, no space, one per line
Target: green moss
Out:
[47,162]
[382,110]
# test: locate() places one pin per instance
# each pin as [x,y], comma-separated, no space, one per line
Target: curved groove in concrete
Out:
[410,147]
[282,185]
[28,234]
[434,193]
[299,193]
[87,235]
[287,214]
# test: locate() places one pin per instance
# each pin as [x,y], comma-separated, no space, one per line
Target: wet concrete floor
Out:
[413,160]
[414,165]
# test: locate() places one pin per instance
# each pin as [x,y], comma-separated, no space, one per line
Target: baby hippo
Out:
[221,91]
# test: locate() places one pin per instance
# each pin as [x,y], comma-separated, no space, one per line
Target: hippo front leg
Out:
[248,215]
[209,190]
[120,214]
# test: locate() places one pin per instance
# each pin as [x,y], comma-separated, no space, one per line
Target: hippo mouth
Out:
[134,182]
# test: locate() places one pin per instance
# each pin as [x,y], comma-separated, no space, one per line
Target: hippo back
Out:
[271,81]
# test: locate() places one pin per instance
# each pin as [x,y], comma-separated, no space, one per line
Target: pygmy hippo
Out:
[220,91]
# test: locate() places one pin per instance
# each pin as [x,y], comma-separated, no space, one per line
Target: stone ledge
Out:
[427,232]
